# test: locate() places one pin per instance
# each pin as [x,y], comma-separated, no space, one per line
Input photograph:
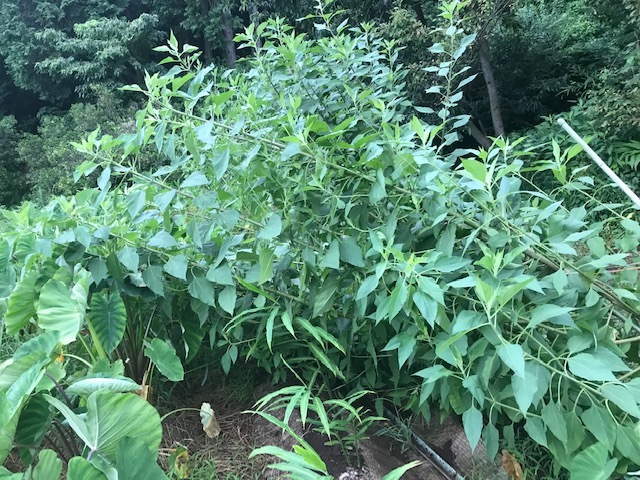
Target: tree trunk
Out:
[230,46]
[205,9]
[478,135]
[492,88]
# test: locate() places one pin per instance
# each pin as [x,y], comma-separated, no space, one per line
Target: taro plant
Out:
[306,220]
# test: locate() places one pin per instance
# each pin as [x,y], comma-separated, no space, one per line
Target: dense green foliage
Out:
[302,217]
[320,211]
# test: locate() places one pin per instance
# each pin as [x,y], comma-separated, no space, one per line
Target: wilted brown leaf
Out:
[143,392]
[209,422]
[511,466]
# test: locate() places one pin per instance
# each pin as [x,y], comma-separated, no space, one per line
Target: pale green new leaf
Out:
[87,386]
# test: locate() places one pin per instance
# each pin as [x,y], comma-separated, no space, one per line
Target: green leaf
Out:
[427,306]
[266,265]
[110,418]
[622,397]
[57,311]
[154,279]
[33,425]
[601,425]
[350,252]
[592,463]
[220,163]
[221,275]
[547,312]
[513,357]
[195,179]
[21,303]
[49,466]
[272,229]
[108,318]
[202,289]
[476,169]
[369,285]
[135,202]
[82,469]
[628,442]
[532,387]
[397,473]
[331,259]
[162,239]
[177,267]
[324,298]
[87,386]
[554,421]
[589,367]
[165,359]
[129,258]
[135,461]
[535,428]
[405,343]
[398,298]
[472,423]
[227,299]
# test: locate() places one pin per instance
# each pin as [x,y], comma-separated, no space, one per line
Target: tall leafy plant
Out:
[305,219]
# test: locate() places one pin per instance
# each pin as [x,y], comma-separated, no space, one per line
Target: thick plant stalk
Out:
[596,158]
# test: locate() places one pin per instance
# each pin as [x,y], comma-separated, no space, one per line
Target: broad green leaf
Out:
[221,275]
[7,434]
[472,423]
[165,359]
[476,169]
[135,461]
[195,179]
[403,342]
[398,298]
[532,387]
[324,297]
[554,421]
[369,285]
[177,266]
[49,466]
[202,289]
[272,229]
[350,252]
[57,311]
[585,365]
[21,303]
[535,428]
[129,258]
[513,356]
[427,306]
[491,439]
[592,463]
[45,343]
[546,313]
[331,259]
[135,202]
[266,265]
[110,418]
[82,469]
[628,442]
[162,239]
[108,318]
[601,425]
[154,279]
[227,299]
[34,423]
[87,386]
[622,397]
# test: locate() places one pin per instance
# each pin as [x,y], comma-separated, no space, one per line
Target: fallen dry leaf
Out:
[511,466]
[209,422]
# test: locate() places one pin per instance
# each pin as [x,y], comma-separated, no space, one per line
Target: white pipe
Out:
[596,158]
